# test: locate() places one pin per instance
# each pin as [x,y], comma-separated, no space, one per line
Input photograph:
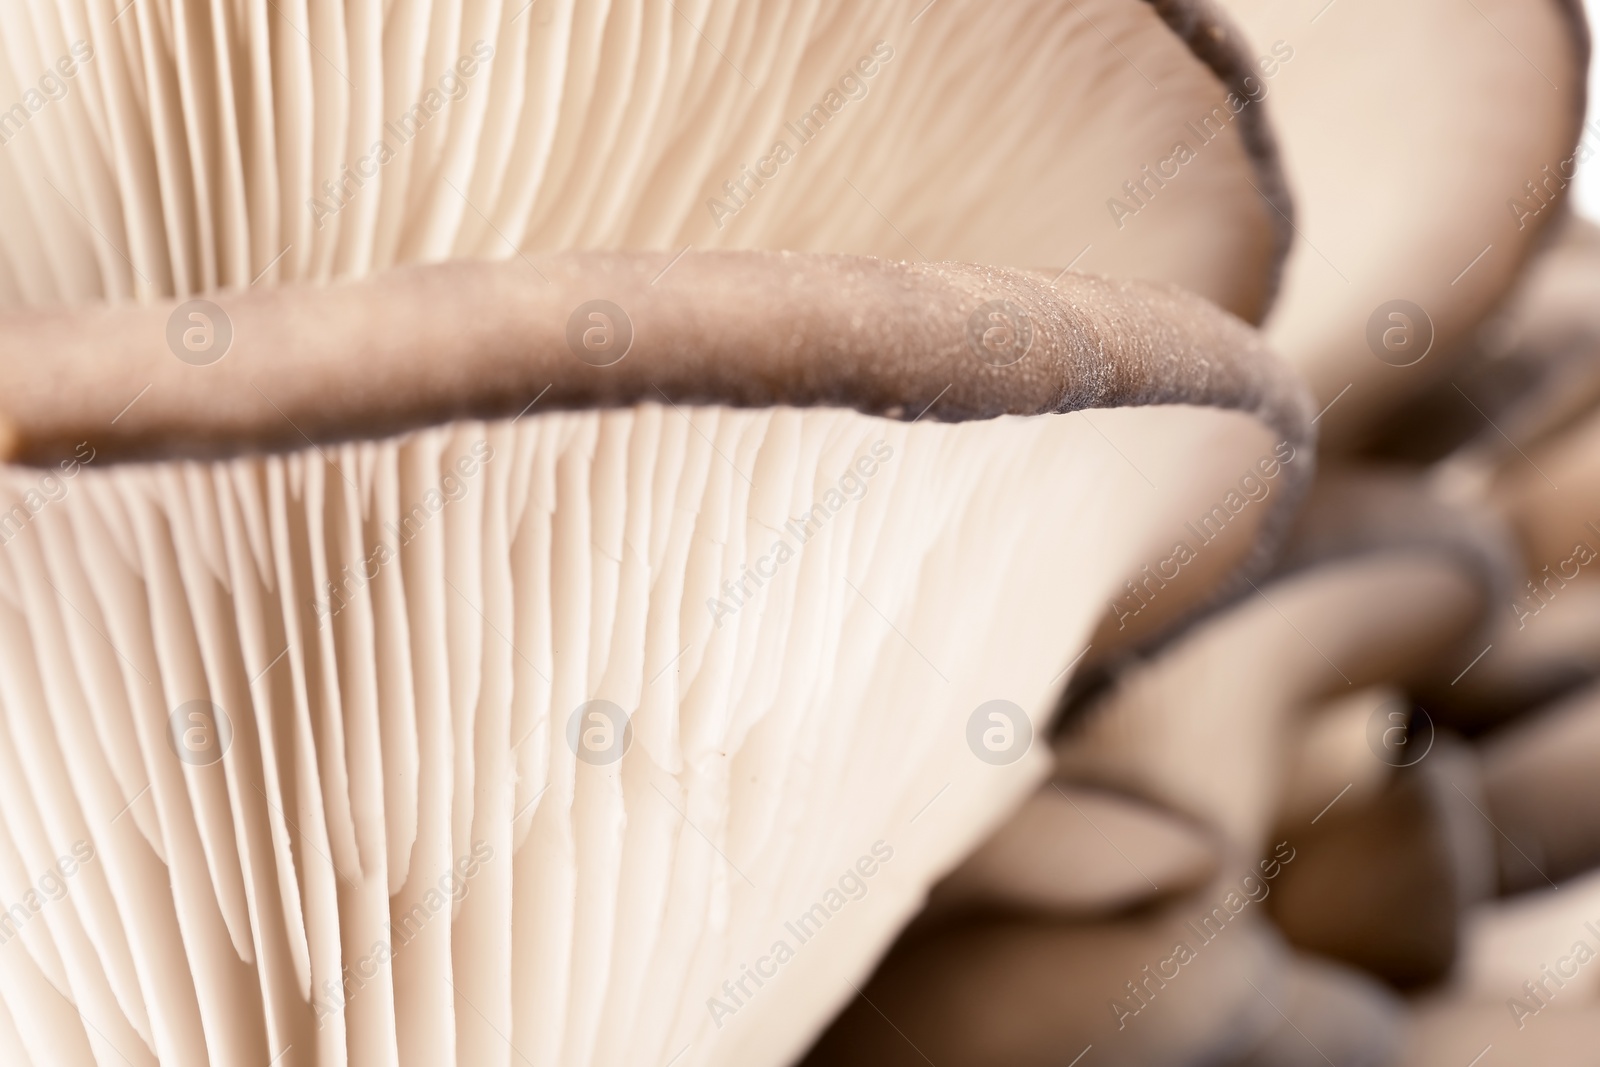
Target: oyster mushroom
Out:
[286,709]
[1422,185]
[204,148]
[1377,585]
[488,629]
[1514,435]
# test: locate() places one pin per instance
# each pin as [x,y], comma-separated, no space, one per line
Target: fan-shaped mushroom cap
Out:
[211,147]
[1201,727]
[418,830]
[403,532]
[1427,146]
[416,346]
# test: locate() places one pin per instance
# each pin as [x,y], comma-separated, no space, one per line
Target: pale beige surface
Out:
[1202,728]
[1077,852]
[191,151]
[1450,1032]
[1332,753]
[1405,129]
[1512,940]
[428,717]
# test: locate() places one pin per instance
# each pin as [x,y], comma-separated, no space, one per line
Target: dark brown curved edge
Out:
[1216,42]
[1354,511]
[1349,513]
[1547,225]
[419,346]
[1359,511]
[1582,37]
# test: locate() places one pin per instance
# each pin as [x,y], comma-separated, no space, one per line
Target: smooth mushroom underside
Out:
[301,642]
[394,640]
[1377,113]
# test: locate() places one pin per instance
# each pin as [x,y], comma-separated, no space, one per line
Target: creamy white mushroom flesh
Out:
[1528,369]
[256,144]
[1425,159]
[406,631]
[1380,581]
[1523,981]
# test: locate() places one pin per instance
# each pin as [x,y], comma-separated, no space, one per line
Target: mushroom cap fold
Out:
[329,715]
[1426,159]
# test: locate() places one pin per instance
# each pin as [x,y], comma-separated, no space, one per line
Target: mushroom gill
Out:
[426,684]
[198,146]
[1232,897]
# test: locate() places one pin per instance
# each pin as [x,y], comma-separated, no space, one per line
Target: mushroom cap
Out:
[1408,134]
[312,650]
[406,624]
[1528,369]
[1076,852]
[1387,885]
[221,147]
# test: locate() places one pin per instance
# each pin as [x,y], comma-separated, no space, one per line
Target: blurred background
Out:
[1429,889]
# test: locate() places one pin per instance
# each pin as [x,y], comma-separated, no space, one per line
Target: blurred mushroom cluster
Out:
[739,532]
